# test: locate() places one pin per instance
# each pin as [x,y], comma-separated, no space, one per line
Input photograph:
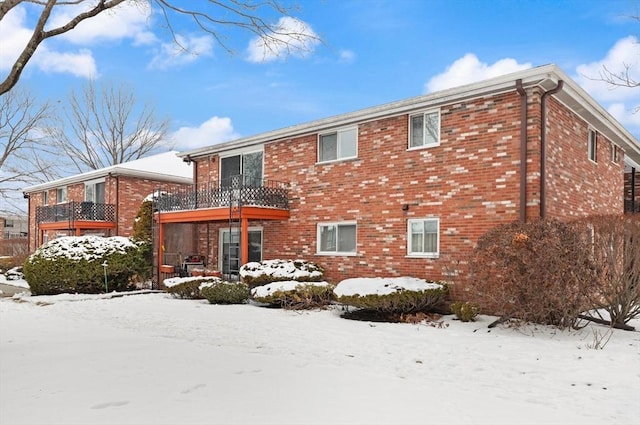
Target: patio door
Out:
[229,249]
[248,164]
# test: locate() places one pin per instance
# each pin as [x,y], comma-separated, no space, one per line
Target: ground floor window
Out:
[337,238]
[423,237]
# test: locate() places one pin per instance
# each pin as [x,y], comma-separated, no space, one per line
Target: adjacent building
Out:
[101,202]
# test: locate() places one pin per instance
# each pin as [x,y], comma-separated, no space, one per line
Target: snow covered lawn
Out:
[152,359]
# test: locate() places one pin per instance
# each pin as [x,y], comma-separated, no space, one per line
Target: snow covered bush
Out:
[75,264]
[221,292]
[294,295]
[187,287]
[391,296]
[267,271]
[537,272]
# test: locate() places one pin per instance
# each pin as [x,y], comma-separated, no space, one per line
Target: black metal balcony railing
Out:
[233,191]
[631,207]
[74,211]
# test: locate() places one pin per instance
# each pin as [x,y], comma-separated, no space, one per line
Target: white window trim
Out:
[615,154]
[336,253]
[66,195]
[592,149]
[337,132]
[423,254]
[423,146]
[93,183]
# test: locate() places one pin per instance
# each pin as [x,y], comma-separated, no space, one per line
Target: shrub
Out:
[74,264]
[392,297]
[225,292]
[465,311]
[538,272]
[257,274]
[187,287]
[615,241]
[294,295]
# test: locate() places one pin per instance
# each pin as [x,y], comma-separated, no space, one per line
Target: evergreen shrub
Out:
[74,264]
[262,273]
[294,295]
[222,292]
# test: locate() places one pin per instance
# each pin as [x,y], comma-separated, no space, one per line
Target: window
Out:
[423,240]
[615,158]
[334,238]
[45,197]
[94,192]
[592,146]
[424,129]
[61,195]
[248,164]
[340,144]
[8,223]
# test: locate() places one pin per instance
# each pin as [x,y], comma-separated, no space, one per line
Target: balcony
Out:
[235,191]
[71,212]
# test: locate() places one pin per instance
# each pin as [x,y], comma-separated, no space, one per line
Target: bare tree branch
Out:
[23,149]
[106,126]
[211,17]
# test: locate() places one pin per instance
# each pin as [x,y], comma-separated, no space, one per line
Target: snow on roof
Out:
[165,167]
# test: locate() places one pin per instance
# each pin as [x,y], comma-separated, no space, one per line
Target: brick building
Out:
[397,189]
[103,202]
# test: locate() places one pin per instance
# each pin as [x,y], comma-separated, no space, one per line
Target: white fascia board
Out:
[104,172]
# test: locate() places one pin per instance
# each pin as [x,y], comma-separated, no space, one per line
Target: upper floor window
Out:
[337,238]
[424,129]
[340,144]
[423,240]
[45,197]
[247,164]
[8,223]
[615,156]
[61,195]
[592,146]
[94,192]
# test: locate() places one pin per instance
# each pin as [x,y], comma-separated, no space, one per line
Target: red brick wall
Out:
[577,186]
[471,182]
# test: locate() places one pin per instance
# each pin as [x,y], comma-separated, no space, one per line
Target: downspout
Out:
[523,150]
[117,212]
[633,189]
[543,147]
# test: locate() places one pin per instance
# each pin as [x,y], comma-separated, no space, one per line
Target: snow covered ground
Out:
[152,359]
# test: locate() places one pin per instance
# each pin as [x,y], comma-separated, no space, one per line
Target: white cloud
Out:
[214,130]
[290,37]
[469,69]
[127,20]
[625,52]
[347,56]
[183,51]
[628,116]
[80,64]
[14,36]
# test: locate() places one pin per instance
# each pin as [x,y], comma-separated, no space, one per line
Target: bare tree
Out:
[211,17]
[23,151]
[104,125]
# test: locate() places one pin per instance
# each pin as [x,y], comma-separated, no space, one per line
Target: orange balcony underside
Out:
[221,214]
[77,224]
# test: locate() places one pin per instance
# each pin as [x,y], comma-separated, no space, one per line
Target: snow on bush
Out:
[295,295]
[188,287]
[77,264]
[397,295]
[267,271]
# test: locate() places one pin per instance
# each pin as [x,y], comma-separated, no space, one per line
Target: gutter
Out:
[543,147]
[523,150]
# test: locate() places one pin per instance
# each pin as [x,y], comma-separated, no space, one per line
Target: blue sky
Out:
[373,52]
